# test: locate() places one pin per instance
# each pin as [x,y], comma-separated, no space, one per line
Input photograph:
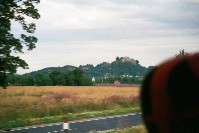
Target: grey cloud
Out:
[174,14]
[180,15]
[137,28]
[161,19]
[72,36]
[170,15]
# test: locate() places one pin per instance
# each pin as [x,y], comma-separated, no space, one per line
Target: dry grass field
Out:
[27,97]
[36,102]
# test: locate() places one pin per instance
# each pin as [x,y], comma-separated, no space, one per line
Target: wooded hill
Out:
[123,70]
[122,66]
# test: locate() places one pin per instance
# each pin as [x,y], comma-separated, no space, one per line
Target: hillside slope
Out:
[120,67]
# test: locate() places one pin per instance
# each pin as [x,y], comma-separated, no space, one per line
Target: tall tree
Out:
[57,77]
[69,77]
[42,80]
[78,76]
[86,81]
[18,11]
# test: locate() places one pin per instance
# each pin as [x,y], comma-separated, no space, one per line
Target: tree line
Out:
[119,79]
[55,78]
[76,77]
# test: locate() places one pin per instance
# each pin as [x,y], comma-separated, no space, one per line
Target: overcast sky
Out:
[80,32]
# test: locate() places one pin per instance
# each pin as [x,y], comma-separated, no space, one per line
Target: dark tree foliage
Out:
[57,77]
[18,11]
[42,80]
[122,80]
[78,76]
[69,78]
[86,81]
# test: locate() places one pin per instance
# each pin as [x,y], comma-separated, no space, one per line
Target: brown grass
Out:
[31,95]
[32,101]
[90,91]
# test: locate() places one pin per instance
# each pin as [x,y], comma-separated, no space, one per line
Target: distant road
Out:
[97,124]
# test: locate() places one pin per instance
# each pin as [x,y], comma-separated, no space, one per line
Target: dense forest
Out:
[123,70]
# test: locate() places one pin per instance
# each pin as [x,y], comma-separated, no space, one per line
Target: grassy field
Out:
[21,106]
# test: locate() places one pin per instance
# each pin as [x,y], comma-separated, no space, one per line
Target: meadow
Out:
[29,105]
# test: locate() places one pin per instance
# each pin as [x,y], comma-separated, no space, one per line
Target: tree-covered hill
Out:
[120,67]
[48,70]
[123,70]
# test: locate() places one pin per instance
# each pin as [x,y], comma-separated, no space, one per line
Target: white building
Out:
[93,79]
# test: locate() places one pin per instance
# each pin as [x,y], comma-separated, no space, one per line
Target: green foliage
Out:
[69,78]
[47,71]
[3,78]
[57,78]
[78,76]
[117,58]
[30,81]
[117,68]
[110,80]
[86,81]
[17,11]
[121,79]
[42,80]
[126,72]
